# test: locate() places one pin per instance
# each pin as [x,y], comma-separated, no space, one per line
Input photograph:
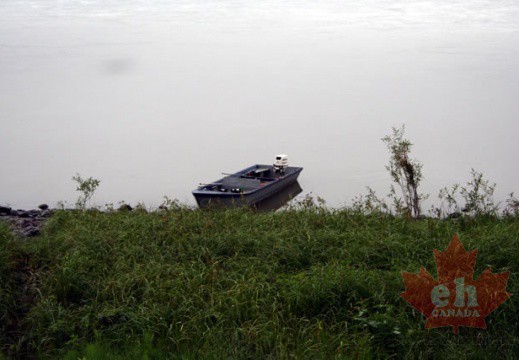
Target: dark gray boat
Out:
[248,186]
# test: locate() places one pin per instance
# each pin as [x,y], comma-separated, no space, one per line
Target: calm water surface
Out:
[153,97]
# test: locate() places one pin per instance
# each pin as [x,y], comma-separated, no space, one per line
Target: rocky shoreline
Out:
[29,223]
[26,223]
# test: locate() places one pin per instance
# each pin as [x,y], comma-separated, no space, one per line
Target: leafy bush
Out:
[87,188]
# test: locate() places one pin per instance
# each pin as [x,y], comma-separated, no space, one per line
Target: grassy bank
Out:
[307,284]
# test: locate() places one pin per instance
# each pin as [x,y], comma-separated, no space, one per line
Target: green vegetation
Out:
[307,282]
[86,188]
[6,284]
[478,196]
[405,172]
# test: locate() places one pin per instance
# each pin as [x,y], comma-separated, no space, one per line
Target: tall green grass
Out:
[306,283]
[14,302]
[7,286]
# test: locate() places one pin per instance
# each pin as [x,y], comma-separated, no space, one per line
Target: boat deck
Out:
[247,180]
[243,183]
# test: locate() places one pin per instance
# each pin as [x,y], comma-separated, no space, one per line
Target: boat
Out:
[249,186]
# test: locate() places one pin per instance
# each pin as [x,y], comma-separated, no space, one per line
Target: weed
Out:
[477,196]
[512,206]
[87,188]
[405,172]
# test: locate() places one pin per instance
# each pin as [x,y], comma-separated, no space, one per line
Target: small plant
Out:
[370,203]
[479,195]
[406,172]
[86,187]
[170,204]
[141,207]
[449,203]
[123,206]
[512,206]
[61,205]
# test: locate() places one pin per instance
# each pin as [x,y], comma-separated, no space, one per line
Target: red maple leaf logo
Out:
[455,299]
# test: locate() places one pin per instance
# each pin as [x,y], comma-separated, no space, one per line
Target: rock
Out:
[46,213]
[23,214]
[43,207]
[125,207]
[31,232]
[26,223]
[454,215]
[5,210]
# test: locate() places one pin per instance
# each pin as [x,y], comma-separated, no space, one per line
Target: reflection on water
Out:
[279,199]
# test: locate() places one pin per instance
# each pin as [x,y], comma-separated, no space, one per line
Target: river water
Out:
[153,97]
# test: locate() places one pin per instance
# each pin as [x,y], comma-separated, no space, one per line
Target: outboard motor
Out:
[280,164]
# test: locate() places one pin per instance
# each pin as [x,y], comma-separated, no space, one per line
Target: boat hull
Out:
[215,199]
